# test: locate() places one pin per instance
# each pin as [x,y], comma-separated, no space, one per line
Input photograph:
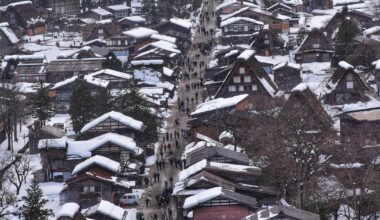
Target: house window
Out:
[241,70]
[231,88]
[246,28]
[236,29]
[100,31]
[350,81]
[247,79]
[254,87]
[350,85]
[236,79]
[226,29]
[241,88]
[87,189]
[266,42]
[316,46]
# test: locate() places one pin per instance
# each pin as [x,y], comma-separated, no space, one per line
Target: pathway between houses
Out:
[183,93]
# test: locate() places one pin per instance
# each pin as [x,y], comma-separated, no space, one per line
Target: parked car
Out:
[130,199]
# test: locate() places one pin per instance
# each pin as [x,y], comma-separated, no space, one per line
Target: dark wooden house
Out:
[63,7]
[248,77]
[102,30]
[287,75]
[116,79]
[62,91]
[345,86]
[314,48]
[87,188]
[203,119]
[268,43]
[99,14]
[55,166]
[62,69]
[24,68]
[178,28]
[304,109]
[238,30]
[119,11]
[130,22]
[216,154]
[360,129]
[112,122]
[45,132]
[220,203]
[277,22]
[8,40]
[25,17]
[59,156]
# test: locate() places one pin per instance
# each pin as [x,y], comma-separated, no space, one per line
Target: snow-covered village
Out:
[190,109]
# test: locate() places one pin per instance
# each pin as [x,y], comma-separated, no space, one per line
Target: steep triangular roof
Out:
[341,72]
[248,59]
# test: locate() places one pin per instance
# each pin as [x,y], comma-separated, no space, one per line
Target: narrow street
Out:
[189,93]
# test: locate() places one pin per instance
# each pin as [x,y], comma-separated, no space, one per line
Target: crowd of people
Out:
[168,156]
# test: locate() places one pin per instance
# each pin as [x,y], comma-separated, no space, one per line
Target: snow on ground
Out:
[20,143]
[62,119]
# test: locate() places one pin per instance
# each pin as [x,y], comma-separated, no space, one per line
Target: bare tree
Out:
[19,173]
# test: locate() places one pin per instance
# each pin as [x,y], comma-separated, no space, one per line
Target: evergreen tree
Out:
[133,105]
[112,62]
[344,41]
[149,9]
[102,102]
[81,104]
[42,103]
[33,209]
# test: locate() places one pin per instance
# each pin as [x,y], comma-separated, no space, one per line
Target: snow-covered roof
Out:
[87,78]
[135,18]
[236,19]
[283,64]
[20,3]
[371,30]
[147,62]
[9,33]
[245,55]
[163,45]
[83,148]
[109,209]
[120,7]
[366,115]
[199,166]
[164,38]
[105,21]
[300,87]
[98,160]
[219,103]
[226,134]
[147,74]
[68,210]
[347,165]
[202,197]
[117,116]
[231,2]
[167,71]
[101,11]
[53,143]
[346,2]
[112,73]
[345,65]
[181,22]
[140,32]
